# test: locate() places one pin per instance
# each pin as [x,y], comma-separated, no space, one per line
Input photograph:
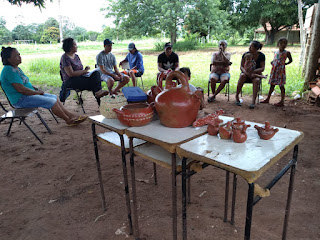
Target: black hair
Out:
[5,54]
[282,39]
[67,44]
[257,44]
[186,70]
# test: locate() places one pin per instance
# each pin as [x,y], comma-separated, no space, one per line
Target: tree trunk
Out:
[271,35]
[314,53]
[60,23]
[302,33]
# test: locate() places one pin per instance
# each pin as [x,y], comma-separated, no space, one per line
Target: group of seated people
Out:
[22,94]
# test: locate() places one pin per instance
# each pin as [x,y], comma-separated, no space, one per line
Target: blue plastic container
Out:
[134,94]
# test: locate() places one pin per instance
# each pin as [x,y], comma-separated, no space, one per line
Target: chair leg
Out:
[43,122]
[80,100]
[9,129]
[53,116]
[228,87]
[209,88]
[32,131]
[155,174]
[142,82]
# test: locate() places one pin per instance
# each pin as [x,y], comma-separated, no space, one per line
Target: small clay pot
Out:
[239,128]
[266,132]
[225,132]
[213,126]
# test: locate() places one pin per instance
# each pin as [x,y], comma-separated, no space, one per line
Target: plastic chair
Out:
[259,89]
[219,81]
[65,92]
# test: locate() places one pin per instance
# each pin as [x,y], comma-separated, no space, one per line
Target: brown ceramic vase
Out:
[266,132]
[213,126]
[225,132]
[239,134]
[135,114]
[152,93]
[177,107]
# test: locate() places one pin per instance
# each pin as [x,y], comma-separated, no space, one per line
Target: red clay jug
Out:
[177,107]
[239,134]
[225,132]
[213,126]
[152,93]
[266,132]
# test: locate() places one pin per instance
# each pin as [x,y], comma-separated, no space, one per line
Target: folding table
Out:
[249,160]
[115,137]
[159,136]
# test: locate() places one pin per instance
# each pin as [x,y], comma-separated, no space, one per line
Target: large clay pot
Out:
[152,93]
[225,132]
[266,132]
[162,76]
[177,107]
[135,114]
[213,126]
[206,119]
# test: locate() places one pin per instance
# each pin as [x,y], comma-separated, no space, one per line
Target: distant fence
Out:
[24,41]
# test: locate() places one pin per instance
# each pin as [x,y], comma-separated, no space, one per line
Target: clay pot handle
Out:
[180,76]
[161,76]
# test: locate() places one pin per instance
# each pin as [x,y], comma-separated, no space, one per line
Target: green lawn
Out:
[41,64]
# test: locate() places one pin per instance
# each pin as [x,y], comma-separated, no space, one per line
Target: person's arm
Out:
[176,67]
[124,60]
[71,73]
[139,62]
[226,58]
[26,91]
[289,57]
[160,67]
[242,68]
[261,69]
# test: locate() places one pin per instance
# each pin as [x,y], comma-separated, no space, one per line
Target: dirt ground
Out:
[51,191]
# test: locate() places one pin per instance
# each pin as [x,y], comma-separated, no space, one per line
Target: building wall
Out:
[293,37]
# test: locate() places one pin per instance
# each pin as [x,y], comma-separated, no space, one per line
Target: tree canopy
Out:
[37,3]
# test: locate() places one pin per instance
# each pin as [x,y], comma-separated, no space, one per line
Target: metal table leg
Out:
[126,185]
[134,197]
[174,195]
[226,197]
[184,198]
[94,135]
[234,192]
[249,211]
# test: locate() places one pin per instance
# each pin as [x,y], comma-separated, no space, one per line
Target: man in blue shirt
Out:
[134,57]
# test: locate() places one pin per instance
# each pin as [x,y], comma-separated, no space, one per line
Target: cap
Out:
[107,42]
[168,45]
[131,46]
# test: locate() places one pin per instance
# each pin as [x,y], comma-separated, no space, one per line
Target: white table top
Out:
[166,137]
[111,124]
[245,159]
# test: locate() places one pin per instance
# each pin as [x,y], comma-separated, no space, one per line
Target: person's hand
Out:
[271,62]
[116,77]
[40,92]
[87,68]
[135,67]
[120,63]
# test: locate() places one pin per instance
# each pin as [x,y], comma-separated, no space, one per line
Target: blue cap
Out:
[107,42]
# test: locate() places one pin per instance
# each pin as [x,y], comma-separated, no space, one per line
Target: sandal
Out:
[211,99]
[265,101]
[101,93]
[252,106]
[238,103]
[279,104]
[77,121]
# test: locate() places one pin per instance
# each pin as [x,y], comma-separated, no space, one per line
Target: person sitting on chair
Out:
[108,69]
[220,66]
[73,74]
[22,94]
[167,61]
[134,57]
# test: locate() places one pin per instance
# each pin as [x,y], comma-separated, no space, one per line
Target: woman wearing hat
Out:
[134,57]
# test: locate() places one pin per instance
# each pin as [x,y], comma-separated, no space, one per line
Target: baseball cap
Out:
[168,45]
[107,42]
[131,46]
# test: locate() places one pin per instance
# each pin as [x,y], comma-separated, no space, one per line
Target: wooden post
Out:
[314,53]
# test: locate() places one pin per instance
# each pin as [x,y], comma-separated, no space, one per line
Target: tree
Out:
[51,22]
[148,17]
[21,32]
[92,35]
[252,13]
[50,35]
[5,34]
[38,3]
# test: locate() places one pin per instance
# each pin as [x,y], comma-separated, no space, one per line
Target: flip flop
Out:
[264,101]
[238,103]
[211,99]
[252,106]
[278,104]
[77,121]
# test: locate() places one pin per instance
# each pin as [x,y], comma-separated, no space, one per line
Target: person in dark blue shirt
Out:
[135,60]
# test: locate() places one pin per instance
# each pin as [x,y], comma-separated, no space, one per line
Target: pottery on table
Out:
[213,126]
[225,132]
[266,132]
[239,127]
[135,114]
[162,76]
[152,93]
[177,107]
[204,120]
